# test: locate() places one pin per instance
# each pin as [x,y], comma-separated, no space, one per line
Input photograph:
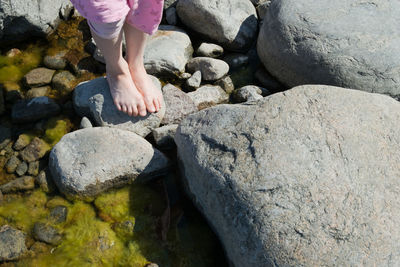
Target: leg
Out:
[135,44]
[123,90]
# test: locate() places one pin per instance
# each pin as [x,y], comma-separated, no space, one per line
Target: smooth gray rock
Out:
[22,168]
[167,51]
[18,184]
[38,77]
[85,123]
[353,44]
[231,23]
[56,61]
[208,95]
[34,109]
[89,161]
[12,164]
[248,93]
[46,233]
[20,20]
[12,243]
[178,104]
[194,81]
[164,136]
[170,16]
[211,69]
[306,177]
[209,50]
[93,100]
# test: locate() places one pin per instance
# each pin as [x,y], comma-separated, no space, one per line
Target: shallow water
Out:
[130,226]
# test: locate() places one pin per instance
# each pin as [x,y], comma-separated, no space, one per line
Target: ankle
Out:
[117,68]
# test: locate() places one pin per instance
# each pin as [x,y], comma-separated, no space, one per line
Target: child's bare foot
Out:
[152,97]
[123,90]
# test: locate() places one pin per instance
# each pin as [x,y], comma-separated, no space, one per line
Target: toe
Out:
[155,102]
[142,109]
[130,111]
[124,108]
[149,105]
[135,111]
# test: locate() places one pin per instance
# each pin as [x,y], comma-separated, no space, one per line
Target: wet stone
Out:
[22,141]
[59,214]
[45,181]
[85,123]
[226,83]
[22,168]
[12,243]
[35,150]
[64,82]
[46,233]
[18,184]
[33,168]
[211,69]
[38,92]
[38,77]
[12,164]
[209,50]
[56,61]
[171,16]
[34,109]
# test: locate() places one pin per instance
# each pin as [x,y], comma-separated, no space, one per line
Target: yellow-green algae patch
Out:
[56,128]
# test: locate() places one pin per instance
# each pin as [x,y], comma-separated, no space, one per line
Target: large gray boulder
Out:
[93,99]
[22,19]
[231,23]
[353,44]
[306,177]
[167,51]
[89,161]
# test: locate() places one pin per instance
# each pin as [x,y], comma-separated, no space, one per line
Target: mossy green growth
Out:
[12,69]
[22,213]
[56,128]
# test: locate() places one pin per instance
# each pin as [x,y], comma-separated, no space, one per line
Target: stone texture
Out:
[12,164]
[45,181]
[12,243]
[59,214]
[46,233]
[38,77]
[85,123]
[33,168]
[93,100]
[22,141]
[331,42]
[18,184]
[194,81]
[21,169]
[178,104]
[167,51]
[170,16]
[208,95]
[209,50]
[211,69]
[34,109]
[20,20]
[164,136]
[56,61]
[36,150]
[38,92]
[85,162]
[231,23]
[226,83]
[64,82]
[248,93]
[306,177]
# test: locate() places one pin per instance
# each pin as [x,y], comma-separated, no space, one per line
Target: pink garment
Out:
[142,14]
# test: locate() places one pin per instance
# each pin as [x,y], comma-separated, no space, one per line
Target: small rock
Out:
[38,92]
[170,16]
[194,81]
[226,83]
[12,243]
[236,60]
[85,123]
[59,214]
[38,77]
[36,149]
[22,168]
[56,61]
[164,136]
[267,80]
[211,69]
[178,104]
[12,164]
[22,141]
[45,181]
[34,109]
[46,233]
[185,76]
[22,183]
[208,95]
[64,82]
[248,93]
[209,50]
[33,168]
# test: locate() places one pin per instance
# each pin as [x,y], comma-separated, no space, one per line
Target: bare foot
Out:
[152,96]
[123,90]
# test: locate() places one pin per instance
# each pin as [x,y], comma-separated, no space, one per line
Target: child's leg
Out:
[108,38]
[143,19]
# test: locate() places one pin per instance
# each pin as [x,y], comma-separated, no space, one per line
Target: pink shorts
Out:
[144,15]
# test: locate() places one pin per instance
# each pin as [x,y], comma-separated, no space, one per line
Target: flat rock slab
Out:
[307,177]
[38,77]
[353,44]
[89,161]
[231,23]
[29,110]
[208,96]
[12,243]
[93,99]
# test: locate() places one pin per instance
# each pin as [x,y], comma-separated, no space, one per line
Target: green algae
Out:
[56,128]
